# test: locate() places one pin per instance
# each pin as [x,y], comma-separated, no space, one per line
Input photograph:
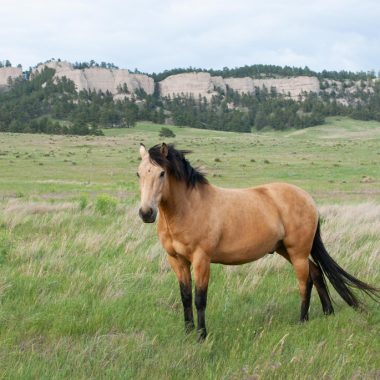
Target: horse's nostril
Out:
[146,214]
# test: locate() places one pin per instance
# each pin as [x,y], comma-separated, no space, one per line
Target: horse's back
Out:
[279,198]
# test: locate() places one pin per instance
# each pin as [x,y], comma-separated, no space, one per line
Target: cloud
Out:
[154,36]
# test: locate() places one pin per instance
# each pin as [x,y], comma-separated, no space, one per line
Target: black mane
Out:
[176,165]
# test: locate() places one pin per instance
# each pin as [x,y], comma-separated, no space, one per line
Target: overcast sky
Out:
[157,35]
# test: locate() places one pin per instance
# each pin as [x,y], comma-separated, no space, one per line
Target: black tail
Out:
[339,278]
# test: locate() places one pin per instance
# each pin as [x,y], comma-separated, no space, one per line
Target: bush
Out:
[166,132]
[5,247]
[83,202]
[105,204]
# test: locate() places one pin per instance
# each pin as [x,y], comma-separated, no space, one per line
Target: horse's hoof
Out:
[189,327]
[202,334]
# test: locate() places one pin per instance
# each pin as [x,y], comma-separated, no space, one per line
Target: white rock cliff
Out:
[100,79]
[193,84]
[204,84]
[292,87]
[9,72]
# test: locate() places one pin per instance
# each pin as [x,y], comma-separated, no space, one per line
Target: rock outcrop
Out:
[100,79]
[193,84]
[292,87]
[204,84]
[9,72]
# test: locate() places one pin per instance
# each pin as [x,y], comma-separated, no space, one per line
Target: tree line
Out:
[45,104]
[270,71]
[265,108]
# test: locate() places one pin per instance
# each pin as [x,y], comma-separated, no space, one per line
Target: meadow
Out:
[86,291]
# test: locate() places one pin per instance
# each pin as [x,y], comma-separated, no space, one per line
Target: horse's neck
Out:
[181,200]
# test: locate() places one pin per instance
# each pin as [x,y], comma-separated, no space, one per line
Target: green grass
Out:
[86,292]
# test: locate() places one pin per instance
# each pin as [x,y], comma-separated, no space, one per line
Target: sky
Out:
[153,36]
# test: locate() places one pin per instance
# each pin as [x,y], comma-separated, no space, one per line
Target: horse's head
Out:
[152,180]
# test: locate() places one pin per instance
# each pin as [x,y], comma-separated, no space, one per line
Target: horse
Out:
[200,224]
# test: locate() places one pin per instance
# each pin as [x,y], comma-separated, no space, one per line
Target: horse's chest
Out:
[184,238]
[175,245]
[181,248]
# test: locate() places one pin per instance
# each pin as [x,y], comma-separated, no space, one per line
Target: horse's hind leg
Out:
[201,266]
[319,282]
[305,283]
[304,280]
[316,277]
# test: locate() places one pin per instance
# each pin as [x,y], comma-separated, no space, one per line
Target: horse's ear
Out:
[143,151]
[164,150]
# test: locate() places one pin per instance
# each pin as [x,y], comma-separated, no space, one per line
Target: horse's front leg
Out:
[201,267]
[181,268]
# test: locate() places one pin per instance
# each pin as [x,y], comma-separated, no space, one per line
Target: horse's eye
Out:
[138,175]
[162,174]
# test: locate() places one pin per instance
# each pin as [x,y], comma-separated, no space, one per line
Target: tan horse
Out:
[200,224]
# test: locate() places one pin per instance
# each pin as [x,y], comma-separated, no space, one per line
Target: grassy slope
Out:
[86,295]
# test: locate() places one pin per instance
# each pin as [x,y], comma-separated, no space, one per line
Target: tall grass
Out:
[90,297]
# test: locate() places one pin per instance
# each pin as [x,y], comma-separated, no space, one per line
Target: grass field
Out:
[86,292]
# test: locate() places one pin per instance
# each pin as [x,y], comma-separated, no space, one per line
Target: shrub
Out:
[166,132]
[105,204]
[83,202]
[5,247]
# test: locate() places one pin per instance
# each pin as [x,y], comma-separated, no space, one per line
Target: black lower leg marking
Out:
[306,302]
[186,296]
[200,304]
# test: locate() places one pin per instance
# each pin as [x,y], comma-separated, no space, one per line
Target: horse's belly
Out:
[236,258]
[240,251]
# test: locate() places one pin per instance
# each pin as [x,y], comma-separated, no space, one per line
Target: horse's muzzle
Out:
[148,216]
